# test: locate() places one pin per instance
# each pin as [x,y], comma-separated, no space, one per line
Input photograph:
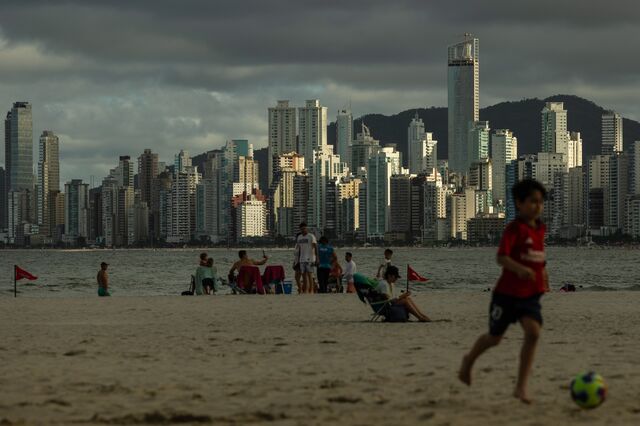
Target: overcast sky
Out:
[190,74]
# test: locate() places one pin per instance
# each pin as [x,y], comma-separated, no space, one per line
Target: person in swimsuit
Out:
[103,280]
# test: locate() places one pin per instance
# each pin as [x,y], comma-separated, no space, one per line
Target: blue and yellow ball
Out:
[588,390]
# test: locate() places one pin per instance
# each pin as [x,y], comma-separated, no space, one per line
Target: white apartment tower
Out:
[282,132]
[554,128]
[312,129]
[463,81]
[423,149]
[504,149]
[611,133]
[574,150]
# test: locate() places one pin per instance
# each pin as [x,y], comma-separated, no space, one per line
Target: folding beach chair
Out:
[234,286]
[366,293]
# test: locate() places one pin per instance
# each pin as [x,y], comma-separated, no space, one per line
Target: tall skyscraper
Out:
[363,147]
[147,172]
[282,132]
[3,199]
[282,198]
[504,149]
[20,155]
[554,128]
[634,166]
[422,148]
[123,173]
[76,217]
[380,168]
[463,82]
[48,178]
[612,141]
[181,161]
[344,134]
[478,141]
[181,211]
[312,129]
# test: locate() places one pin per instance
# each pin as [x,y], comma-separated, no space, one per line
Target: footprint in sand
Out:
[75,352]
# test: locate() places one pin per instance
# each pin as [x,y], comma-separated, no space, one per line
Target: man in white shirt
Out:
[349,270]
[307,250]
[382,269]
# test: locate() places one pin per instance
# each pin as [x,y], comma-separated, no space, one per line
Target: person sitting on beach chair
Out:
[379,294]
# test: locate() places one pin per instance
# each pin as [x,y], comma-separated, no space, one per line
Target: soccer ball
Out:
[588,390]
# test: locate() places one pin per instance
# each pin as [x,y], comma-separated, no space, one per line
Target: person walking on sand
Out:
[524,279]
[307,249]
[103,280]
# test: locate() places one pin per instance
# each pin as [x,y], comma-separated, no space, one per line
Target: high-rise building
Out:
[574,150]
[463,208]
[632,227]
[348,205]
[312,129]
[3,199]
[478,141]
[19,156]
[325,168]
[76,217]
[568,204]
[546,166]
[380,168]
[617,192]
[598,189]
[123,173]
[48,178]
[245,176]
[364,146]
[250,217]
[281,200]
[423,149]
[400,213]
[282,132]
[181,161]
[612,141]
[147,172]
[181,209]
[554,128]
[634,168]
[504,149]
[463,98]
[481,175]
[159,200]
[344,134]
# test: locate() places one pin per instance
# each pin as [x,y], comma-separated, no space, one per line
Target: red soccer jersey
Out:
[525,245]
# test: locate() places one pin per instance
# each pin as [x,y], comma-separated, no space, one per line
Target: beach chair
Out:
[366,293]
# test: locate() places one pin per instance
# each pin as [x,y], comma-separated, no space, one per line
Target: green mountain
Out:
[521,117]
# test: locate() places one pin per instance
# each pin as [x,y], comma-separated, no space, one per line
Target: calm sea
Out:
[71,273]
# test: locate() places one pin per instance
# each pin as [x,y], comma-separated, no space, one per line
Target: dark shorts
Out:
[395,312]
[506,310]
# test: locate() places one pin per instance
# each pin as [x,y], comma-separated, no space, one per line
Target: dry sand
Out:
[304,360]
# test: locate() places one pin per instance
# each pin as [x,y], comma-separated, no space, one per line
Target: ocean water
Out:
[72,273]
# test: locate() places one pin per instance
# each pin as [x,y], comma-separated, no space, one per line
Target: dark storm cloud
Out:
[115,77]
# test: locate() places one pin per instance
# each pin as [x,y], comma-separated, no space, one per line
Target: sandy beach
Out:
[304,360]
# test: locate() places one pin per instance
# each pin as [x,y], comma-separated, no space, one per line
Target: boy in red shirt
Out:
[524,279]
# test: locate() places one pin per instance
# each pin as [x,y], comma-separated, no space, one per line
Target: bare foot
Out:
[465,371]
[521,394]
[424,319]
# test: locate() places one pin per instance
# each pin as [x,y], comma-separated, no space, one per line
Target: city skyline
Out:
[188,87]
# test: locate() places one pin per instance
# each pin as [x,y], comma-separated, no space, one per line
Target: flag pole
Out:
[15,287]
[407,278]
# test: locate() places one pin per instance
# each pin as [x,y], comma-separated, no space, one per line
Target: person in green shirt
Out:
[205,279]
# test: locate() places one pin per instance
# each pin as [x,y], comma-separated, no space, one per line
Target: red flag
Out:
[414,276]
[21,273]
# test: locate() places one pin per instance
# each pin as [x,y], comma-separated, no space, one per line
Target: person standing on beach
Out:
[103,280]
[325,253]
[349,271]
[307,249]
[524,279]
[203,259]
[388,253]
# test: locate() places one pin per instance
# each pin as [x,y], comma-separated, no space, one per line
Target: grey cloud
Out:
[116,77]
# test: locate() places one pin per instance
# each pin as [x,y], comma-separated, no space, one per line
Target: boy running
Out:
[516,296]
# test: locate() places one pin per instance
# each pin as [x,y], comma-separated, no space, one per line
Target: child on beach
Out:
[386,262]
[516,296]
[349,272]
